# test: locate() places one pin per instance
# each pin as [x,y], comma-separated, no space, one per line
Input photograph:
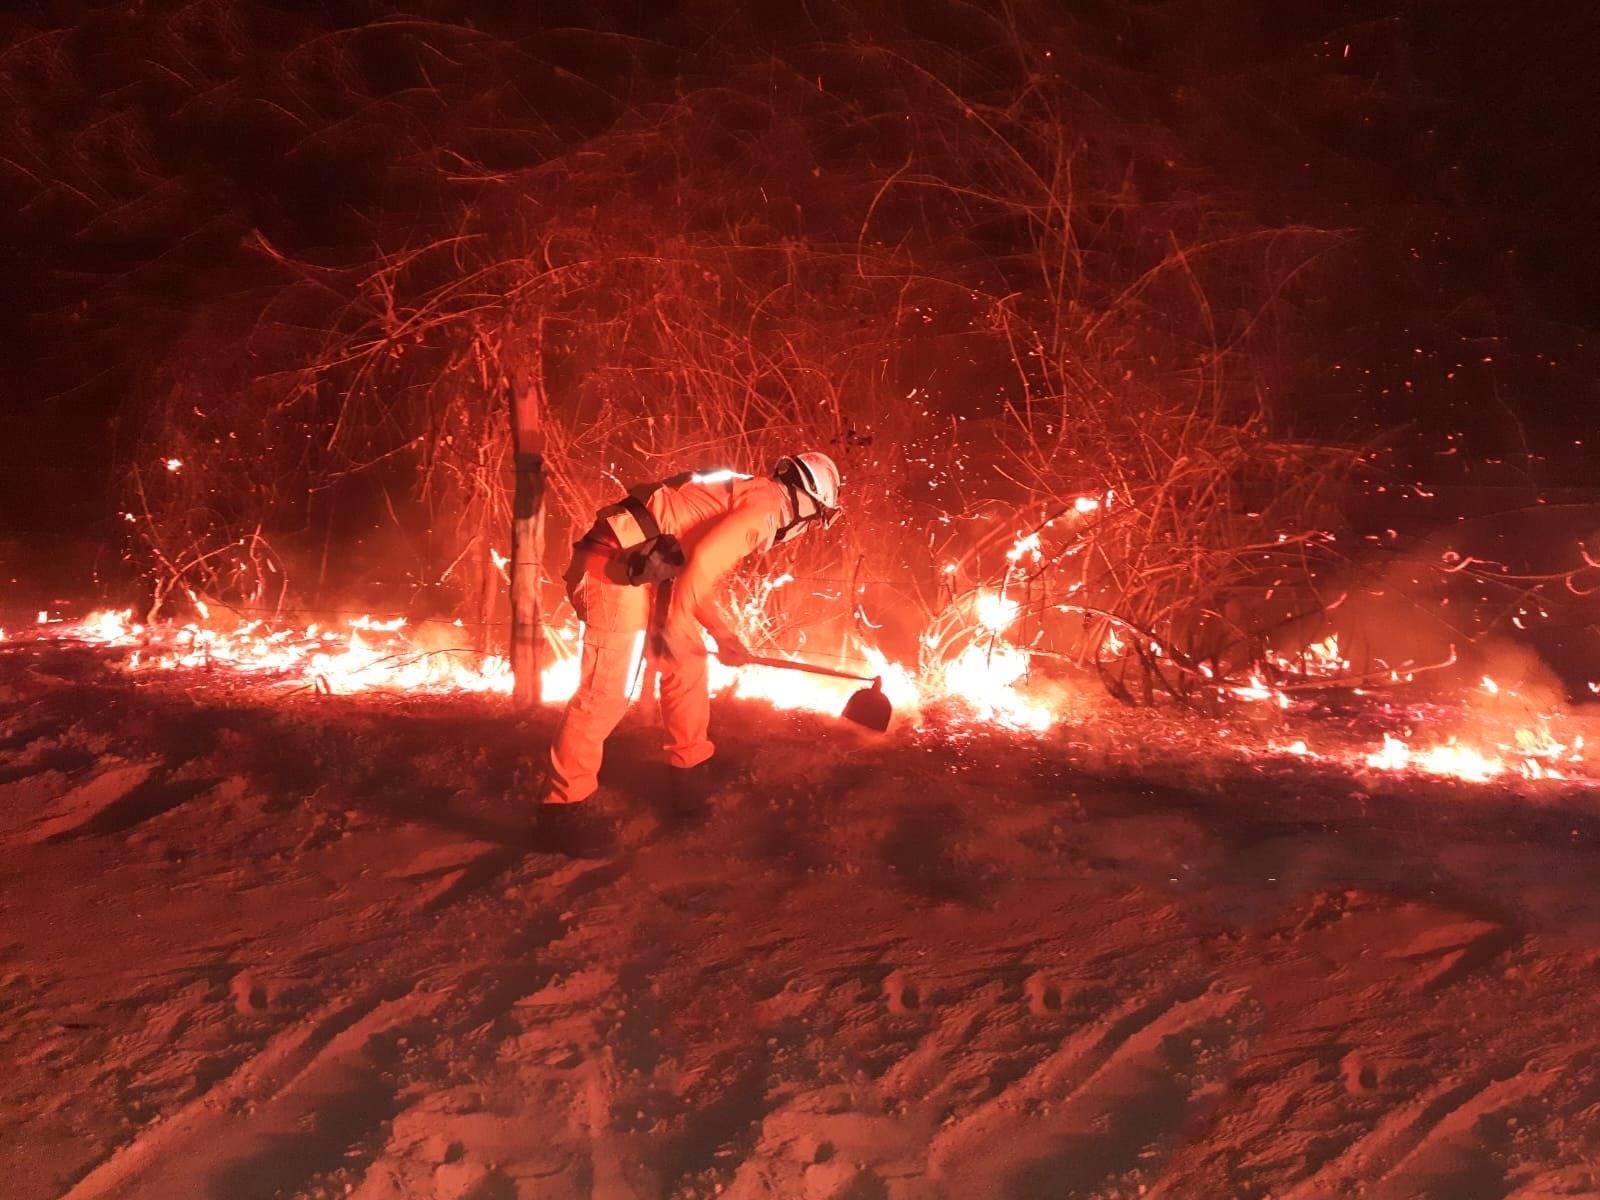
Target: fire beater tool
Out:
[868,707]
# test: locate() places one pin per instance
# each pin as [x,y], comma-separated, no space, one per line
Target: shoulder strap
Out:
[640,512]
[634,502]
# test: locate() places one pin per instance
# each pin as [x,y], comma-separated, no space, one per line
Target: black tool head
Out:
[870,707]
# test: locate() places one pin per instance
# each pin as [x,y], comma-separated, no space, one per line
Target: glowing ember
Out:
[753,609]
[1256,688]
[1025,546]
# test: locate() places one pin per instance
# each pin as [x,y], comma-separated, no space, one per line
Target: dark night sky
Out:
[1456,138]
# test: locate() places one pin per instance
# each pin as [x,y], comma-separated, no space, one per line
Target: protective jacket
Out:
[717,523]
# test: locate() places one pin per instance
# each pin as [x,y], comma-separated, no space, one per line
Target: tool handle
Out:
[786,664]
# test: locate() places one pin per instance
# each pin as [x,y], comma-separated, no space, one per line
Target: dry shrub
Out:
[966,259]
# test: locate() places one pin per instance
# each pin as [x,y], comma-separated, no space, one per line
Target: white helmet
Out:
[817,476]
[813,473]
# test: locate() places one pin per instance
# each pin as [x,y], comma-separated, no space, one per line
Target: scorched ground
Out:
[259,946]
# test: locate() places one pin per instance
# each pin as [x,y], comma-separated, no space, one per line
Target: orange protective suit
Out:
[718,524]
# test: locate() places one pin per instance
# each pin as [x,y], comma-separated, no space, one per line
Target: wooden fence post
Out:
[527,548]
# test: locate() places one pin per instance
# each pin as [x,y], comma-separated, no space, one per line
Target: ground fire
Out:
[1498,734]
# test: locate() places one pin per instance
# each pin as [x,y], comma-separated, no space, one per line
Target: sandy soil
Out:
[254,948]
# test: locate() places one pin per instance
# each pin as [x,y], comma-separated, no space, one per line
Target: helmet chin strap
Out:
[800,519]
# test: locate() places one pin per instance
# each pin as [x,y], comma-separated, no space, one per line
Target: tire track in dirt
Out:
[533,1023]
[1455,1156]
[1425,1147]
[180,1143]
[79,808]
[643,1123]
[326,1084]
[696,1104]
[1110,1102]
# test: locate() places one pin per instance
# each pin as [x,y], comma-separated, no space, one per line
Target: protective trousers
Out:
[616,616]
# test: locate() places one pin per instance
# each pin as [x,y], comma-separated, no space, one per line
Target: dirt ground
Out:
[256,947]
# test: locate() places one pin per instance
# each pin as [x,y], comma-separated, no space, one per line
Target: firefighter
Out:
[652,564]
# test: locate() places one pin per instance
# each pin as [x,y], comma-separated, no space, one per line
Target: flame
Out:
[995,612]
[392,625]
[985,679]
[1320,660]
[1449,758]
[369,653]
[797,691]
[986,683]
[1532,754]
[110,626]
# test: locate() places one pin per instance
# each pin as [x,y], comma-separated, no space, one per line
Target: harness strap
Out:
[634,502]
[660,603]
[634,507]
[787,531]
[640,512]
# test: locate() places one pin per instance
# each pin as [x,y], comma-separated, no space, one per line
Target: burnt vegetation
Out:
[1022,273]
